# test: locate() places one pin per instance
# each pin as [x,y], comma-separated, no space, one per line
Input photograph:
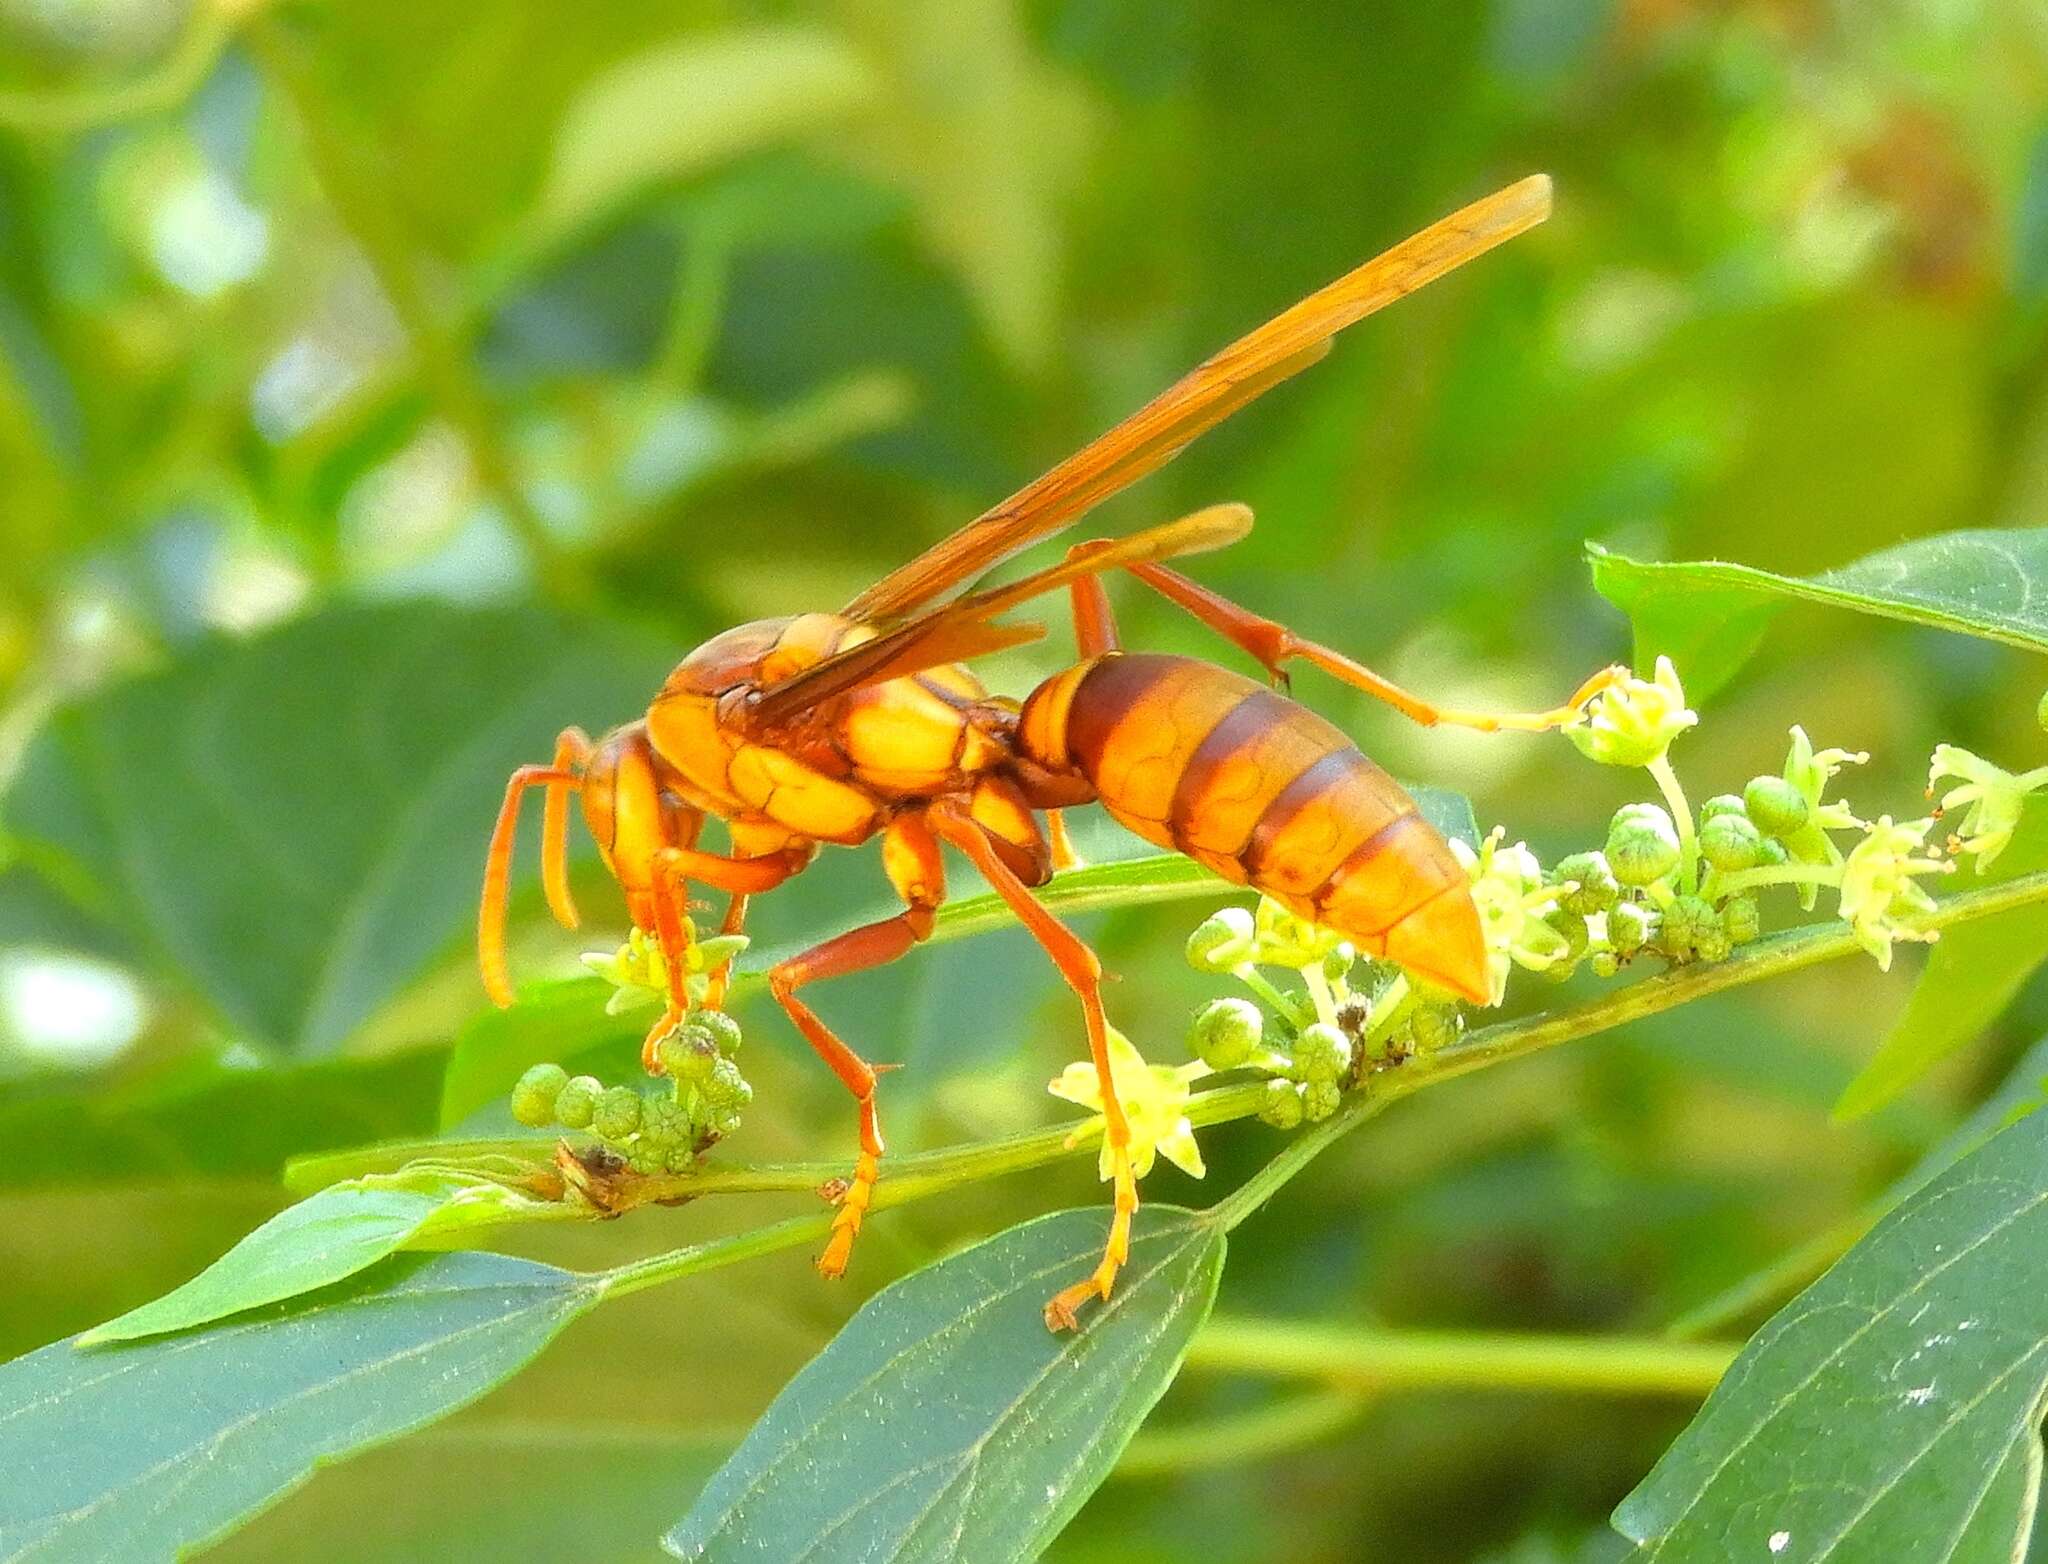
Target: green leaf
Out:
[343,1229]
[138,1450]
[1972,974]
[295,824]
[946,1422]
[212,1120]
[1709,616]
[1892,1410]
[690,105]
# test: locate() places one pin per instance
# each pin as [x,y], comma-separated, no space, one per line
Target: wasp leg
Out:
[1094,622]
[572,754]
[490,928]
[910,857]
[1274,645]
[673,868]
[1083,973]
[734,922]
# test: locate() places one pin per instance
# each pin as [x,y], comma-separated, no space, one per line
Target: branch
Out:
[914,1178]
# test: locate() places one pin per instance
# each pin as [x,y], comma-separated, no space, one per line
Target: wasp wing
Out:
[1200,400]
[961,629]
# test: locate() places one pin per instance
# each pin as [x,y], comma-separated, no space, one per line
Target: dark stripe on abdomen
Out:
[1319,820]
[1245,761]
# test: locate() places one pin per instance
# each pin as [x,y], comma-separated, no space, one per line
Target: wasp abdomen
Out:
[1206,762]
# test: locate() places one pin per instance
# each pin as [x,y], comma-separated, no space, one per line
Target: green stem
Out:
[1136,882]
[1297,1154]
[1319,993]
[1506,1040]
[1282,1003]
[915,1177]
[354,187]
[694,310]
[1781,874]
[1780,1279]
[1681,815]
[1239,1437]
[1375,1360]
[906,1175]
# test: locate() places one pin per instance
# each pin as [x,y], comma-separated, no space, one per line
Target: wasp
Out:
[842,727]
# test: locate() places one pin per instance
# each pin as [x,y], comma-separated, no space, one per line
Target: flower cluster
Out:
[660,1128]
[1670,882]
[1684,887]
[638,970]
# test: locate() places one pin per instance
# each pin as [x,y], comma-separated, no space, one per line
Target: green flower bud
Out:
[722,1029]
[578,1102]
[647,1162]
[1320,1099]
[1576,937]
[1597,886]
[681,1159]
[1777,807]
[1287,940]
[1321,1053]
[726,1088]
[1226,1032]
[535,1094]
[1431,1027]
[1688,921]
[1604,963]
[1713,944]
[1338,963]
[1629,925]
[1720,804]
[688,1053]
[664,1122]
[1741,919]
[1771,852]
[1632,722]
[1731,842]
[1642,844]
[617,1114]
[1282,1107]
[1223,942]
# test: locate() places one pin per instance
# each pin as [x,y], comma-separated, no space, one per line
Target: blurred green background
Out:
[385,386]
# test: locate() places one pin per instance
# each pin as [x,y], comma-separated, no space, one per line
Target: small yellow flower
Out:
[1995,798]
[1154,1098]
[638,970]
[1633,723]
[1810,771]
[1881,899]
[1507,885]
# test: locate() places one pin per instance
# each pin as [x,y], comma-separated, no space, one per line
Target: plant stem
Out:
[1506,1040]
[1780,1279]
[1372,1360]
[915,1177]
[1781,874]
[1137,882]
[1236,1437]
[1681,815]
[352,185]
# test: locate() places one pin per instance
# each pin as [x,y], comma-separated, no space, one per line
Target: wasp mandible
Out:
[837,728]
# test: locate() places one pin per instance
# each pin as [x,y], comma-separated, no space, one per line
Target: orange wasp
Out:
[842,727]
